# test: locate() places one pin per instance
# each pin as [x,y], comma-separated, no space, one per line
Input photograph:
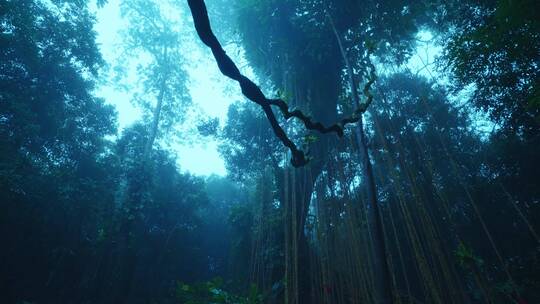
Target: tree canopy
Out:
[360,168]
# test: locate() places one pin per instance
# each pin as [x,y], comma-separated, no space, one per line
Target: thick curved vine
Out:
[251,91]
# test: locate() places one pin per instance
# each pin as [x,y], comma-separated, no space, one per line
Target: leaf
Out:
[310,138]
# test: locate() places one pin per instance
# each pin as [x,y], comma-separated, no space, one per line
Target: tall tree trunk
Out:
[129,234]
[137,184]
[155,121]
[383,276]
[300,188]
[383,283]
[303,188]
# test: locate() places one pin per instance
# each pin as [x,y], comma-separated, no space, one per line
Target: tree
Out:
[438,183]
[155,41]
[53,153]
[495,49]
[62,221]
[297,70]
[248,145]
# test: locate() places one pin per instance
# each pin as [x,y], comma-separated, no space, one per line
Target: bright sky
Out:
[210,91]
[207,88]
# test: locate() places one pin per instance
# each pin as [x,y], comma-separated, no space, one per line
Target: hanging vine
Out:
[251,91]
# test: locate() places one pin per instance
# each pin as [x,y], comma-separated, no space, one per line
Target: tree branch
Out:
[251,91]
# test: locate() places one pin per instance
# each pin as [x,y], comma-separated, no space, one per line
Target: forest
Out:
[269,152]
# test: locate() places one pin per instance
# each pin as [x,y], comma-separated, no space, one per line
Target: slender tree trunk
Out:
[298,270]
[131,232]
[303,188]
[155,121]
[136,185]
[383,283]
[383,274]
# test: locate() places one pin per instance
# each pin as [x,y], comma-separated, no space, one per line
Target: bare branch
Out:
[251,91]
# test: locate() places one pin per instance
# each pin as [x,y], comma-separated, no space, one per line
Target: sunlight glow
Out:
[207,89]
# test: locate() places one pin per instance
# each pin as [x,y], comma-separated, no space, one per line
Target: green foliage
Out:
[286,96]
[240,216]
[212,292]
[466,258]
[496,49]
[310,138]
[82,206]
[209,127]
[101,3]
[153,42]
[83,220]
[248,145]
